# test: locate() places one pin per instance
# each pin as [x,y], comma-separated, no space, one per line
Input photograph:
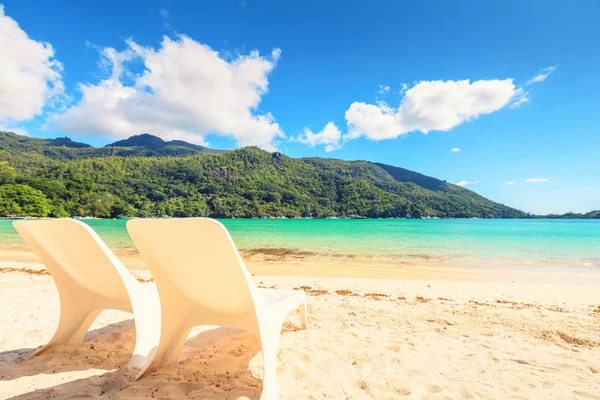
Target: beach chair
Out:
[202,280]
[90,279]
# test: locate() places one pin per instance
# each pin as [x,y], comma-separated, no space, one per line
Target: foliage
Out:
[22,200]
[129,179]
[571,215]
[64,149]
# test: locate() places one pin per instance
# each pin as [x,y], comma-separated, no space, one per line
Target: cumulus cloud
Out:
[510,183]
[465,183]
[455,150]
[186,91]
[536,180]
[429,106]
[433,106]
[542,75]
[30,77]
[330,137]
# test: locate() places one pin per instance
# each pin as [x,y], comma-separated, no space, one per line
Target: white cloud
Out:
[510,183]
[429,106]
[19,130]
[455,150]
[536,180]
[542,75]
[383,89]
[30,77]
[521,96]
[330,136]
[465,183]
[166,17]
[186,91]
[433,106]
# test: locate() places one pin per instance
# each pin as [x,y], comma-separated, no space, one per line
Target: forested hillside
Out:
[145,176]
[64,149]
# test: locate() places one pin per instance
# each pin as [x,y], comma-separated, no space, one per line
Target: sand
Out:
[368,338]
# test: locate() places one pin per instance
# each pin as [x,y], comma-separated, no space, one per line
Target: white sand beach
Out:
[368,338]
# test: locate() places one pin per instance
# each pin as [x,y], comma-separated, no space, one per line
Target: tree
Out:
[100,204]
[22,200]
[7,173]
[121,209]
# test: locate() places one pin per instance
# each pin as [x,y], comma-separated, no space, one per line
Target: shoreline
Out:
[282,264]
[533,216]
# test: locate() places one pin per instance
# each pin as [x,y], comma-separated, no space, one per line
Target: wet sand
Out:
[295,262]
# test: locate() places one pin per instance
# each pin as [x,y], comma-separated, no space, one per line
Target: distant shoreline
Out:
[305,218]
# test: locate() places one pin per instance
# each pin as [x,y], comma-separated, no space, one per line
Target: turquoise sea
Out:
[573,244]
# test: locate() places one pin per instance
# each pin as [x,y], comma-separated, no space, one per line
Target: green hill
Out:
[150,146]
[146,176]
[37,151]
[571,215]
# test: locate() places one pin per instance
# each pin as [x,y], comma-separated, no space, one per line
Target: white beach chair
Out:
[202,280]
[90,279]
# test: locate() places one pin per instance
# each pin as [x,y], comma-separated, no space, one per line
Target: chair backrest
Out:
[199,258]
[72,251]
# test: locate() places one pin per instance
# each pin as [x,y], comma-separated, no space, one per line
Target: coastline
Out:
[290,263]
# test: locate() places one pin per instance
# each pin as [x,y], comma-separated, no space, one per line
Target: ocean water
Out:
[554,244]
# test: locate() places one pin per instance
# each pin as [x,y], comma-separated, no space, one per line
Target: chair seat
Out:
[270,297]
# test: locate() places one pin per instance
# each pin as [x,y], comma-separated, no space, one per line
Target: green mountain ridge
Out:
[160,147]
[64,149]
[146,176]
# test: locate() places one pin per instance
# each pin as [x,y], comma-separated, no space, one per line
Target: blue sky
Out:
[514,85]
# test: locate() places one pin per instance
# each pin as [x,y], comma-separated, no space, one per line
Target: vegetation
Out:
[145,176]
[64,149]
[572,215]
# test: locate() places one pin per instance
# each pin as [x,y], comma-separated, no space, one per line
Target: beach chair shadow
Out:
[114,341]
[214,365]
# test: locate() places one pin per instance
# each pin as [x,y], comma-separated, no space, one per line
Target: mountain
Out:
[13,146]
[44,177]
[154,146]
[432,196]
[405,175]
[22,144]
[66,142]
[144,140]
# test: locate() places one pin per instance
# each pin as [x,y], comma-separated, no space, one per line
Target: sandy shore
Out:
[295,262]
[368,338]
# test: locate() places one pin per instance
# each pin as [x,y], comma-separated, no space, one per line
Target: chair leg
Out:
[269,350]
[303,316]
[146,311]
[270,332]
[172,339]
[72,326]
